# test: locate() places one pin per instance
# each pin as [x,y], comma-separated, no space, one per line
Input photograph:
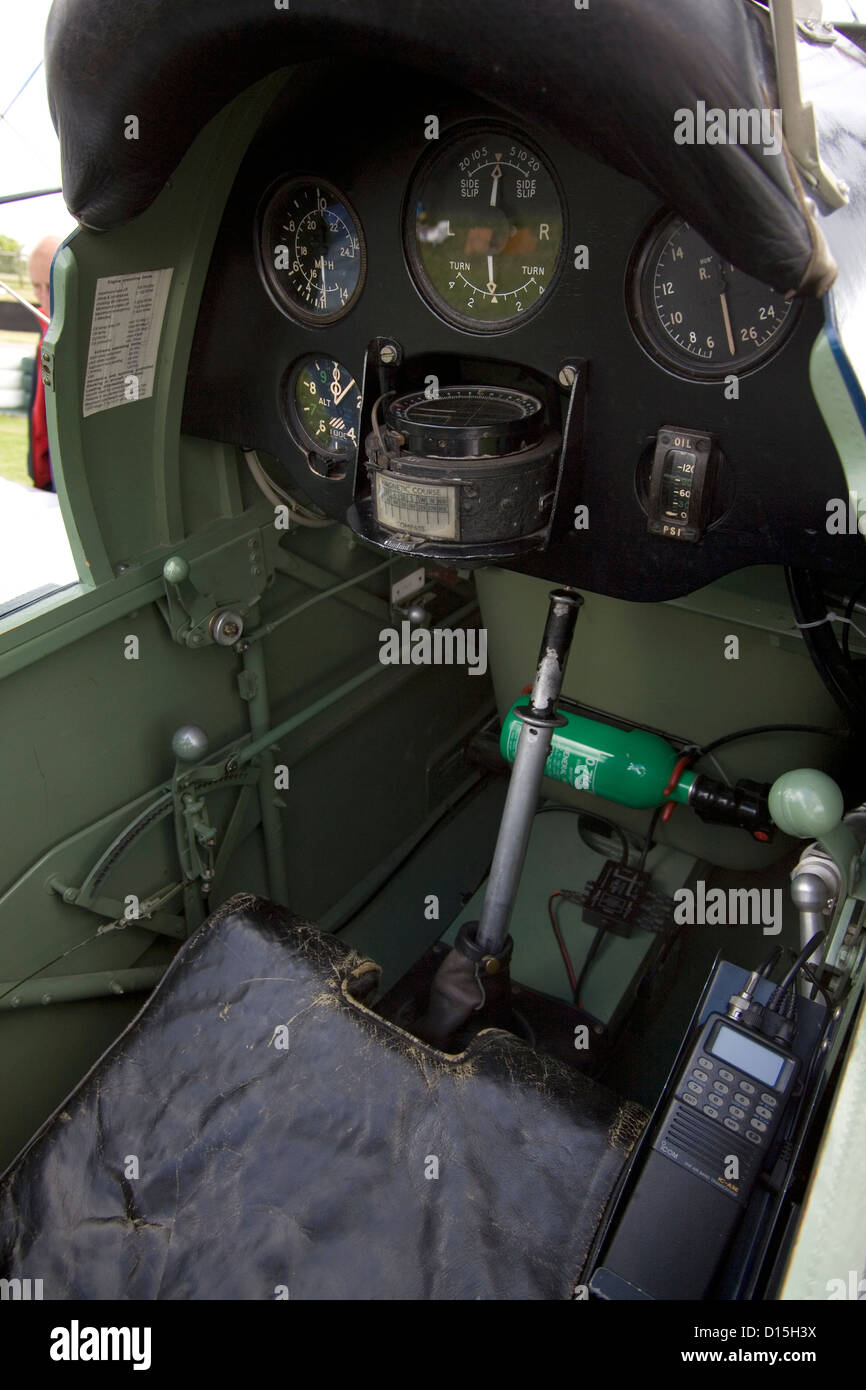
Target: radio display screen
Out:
[729,1045]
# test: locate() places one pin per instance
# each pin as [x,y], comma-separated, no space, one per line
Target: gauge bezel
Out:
[414,264]
[493,439]
[275,289]
[295,425]
[650,335]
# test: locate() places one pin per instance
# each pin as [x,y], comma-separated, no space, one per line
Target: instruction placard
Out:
[124,337]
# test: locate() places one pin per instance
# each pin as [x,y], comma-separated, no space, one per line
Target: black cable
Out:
[578,982]
[593,839]
[790,975]
[715,743]
[816,984]
[771,962]
[848,615]
[648,842]
[591,954]
[810,611]
[591,816]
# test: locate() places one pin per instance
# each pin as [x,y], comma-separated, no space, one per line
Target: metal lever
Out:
[798,117]
[539,721]
[474,975]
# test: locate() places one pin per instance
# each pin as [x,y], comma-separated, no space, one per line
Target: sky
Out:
[29,150]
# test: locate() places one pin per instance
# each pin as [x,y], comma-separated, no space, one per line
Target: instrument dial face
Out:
[467,421]
[311,250]
[696,313]
[484,230]
[324,407]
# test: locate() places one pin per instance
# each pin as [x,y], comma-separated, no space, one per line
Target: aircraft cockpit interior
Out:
[435,829]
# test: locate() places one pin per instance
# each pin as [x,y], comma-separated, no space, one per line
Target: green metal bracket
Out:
[149,912]
[208,599]
[195,836]
[93,984]
[198,843]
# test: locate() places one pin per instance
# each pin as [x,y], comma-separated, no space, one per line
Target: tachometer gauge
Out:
[698,315]
[323,402]
[311,250]
[484,230]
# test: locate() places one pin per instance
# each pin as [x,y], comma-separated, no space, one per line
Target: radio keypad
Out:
[733,1116]
[740,1113]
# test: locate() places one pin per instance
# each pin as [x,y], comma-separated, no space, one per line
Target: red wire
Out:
[559,941]
[679,768]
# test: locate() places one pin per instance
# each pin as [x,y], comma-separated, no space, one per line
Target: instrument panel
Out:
[484,232]
[478,236]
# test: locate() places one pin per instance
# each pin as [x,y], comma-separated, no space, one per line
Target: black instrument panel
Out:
[582,250]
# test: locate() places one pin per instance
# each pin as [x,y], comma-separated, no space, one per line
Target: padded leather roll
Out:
[609,78]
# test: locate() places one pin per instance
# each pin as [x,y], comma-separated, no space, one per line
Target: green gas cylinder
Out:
[629,766]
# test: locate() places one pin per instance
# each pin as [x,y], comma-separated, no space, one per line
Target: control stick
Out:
[807,803]
[474,974]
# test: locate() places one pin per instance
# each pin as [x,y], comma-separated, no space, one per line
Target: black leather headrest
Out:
[609,78]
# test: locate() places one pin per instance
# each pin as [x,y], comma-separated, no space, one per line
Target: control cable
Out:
[837,673]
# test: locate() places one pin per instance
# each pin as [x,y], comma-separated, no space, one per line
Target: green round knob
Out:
[175,570]
[189,743]
[806,803]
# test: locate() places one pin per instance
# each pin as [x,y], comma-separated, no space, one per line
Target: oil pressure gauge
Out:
[698,315]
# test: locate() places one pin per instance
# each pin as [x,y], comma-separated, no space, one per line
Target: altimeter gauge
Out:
[323,405]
